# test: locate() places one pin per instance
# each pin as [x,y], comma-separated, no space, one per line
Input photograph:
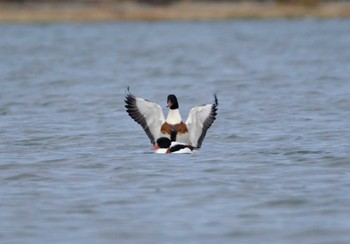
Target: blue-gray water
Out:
[274,167]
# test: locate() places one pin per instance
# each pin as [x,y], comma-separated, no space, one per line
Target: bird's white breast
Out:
[174,117]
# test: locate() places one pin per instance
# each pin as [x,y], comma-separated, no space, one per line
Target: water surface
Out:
[273,168]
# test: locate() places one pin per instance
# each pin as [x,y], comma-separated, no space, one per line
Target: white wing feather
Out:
[146,113]
[198,122]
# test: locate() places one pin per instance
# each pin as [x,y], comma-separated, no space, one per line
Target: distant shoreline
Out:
[46,13]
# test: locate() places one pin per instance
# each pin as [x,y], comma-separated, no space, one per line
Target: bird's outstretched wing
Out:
[199,120]
[148,114]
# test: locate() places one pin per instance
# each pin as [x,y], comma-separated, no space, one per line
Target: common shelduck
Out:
[150,116]
[164,145]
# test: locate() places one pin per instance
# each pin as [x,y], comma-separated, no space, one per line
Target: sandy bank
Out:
[43,13]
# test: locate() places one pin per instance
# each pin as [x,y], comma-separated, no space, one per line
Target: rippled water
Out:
[274,167]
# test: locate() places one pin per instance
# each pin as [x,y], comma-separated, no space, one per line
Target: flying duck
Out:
[164,145]
[150,116]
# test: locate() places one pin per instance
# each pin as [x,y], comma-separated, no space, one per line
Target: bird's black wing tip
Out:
[216,100]
[128,94]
